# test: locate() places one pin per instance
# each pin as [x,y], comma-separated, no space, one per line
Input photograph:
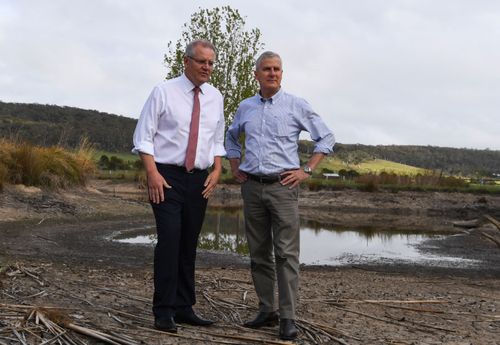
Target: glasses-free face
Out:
[269,74]
[200,65]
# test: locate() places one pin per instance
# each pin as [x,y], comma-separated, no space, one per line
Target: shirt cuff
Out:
[324,150]
[146,148]
[233,154]
[219,151]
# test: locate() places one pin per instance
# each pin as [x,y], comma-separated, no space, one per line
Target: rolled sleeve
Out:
[219,149]
[147,124]
[319,131]
[325,145]
[233,146]
[143,147]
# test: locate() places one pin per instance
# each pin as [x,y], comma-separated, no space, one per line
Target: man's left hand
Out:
[211,183]
[293,177]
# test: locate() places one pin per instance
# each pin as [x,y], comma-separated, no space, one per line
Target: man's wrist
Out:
[308,170]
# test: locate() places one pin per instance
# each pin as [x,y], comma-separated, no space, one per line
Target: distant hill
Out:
[454,161]
[48,125]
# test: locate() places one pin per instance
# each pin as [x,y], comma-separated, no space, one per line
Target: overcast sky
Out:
[404,72]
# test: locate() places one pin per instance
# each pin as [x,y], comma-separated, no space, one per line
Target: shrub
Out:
[3,175]
[45,166]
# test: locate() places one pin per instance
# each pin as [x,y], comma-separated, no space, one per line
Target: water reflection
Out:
[224,231]
[320,243]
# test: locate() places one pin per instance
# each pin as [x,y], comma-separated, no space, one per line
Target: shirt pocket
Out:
[208,122]
[280,125]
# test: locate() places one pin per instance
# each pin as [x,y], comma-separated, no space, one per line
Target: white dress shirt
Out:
[163,127]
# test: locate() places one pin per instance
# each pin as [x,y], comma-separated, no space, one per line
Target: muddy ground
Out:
[55,252]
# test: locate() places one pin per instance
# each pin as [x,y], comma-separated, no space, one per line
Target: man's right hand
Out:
[238,175]
[156,182]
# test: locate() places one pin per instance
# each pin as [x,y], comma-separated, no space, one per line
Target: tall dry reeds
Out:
[54,167]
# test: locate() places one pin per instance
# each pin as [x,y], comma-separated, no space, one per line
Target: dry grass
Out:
[53,167]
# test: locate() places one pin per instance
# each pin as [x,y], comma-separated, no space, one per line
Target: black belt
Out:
[183,169]
[267,179]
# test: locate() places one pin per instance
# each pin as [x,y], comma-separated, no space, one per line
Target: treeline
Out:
[48,125]
[454,161]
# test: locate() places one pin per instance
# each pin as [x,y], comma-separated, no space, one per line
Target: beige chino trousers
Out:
[273,235]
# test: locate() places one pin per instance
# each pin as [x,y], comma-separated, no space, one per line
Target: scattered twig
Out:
[28,273]
[21,338]
[41,293]
[246,338]
[136,298]
[46,239]
[491,238]
[53,338]
[395,322]
[140,318]
[331,332]
[493,221]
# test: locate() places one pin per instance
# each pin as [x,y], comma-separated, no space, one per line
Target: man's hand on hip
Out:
[239,176]
[293,178]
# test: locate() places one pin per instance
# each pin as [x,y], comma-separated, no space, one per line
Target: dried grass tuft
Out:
[53,167]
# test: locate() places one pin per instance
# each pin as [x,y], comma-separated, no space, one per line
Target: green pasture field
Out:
[125,156]
[373,166]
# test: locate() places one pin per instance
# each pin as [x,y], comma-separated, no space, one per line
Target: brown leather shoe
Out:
[288,330]
[263,319]
[166,324]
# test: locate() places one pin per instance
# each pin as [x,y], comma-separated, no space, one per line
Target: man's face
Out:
[269,75]
[199,67]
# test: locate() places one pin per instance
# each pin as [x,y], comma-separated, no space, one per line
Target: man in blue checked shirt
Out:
[270,175]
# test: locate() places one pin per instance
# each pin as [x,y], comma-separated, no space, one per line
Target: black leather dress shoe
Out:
[190,318]
[288,330]
[263,319]
[166,324]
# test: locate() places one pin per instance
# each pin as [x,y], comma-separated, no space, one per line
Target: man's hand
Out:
[211,183]
[238,175]
[156,182]
[293,177]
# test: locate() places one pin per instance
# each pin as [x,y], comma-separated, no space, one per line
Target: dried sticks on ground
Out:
[45,304]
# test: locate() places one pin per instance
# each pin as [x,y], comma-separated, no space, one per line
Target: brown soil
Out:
[54,252]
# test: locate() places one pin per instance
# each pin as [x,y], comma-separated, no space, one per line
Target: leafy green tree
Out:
[103,162]
[116,163]
[236,52]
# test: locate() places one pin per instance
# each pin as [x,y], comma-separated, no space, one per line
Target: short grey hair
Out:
[204,43]
[266,55]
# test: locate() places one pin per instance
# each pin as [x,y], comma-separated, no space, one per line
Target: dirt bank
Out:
[54,252]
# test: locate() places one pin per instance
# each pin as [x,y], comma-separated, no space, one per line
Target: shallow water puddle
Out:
[320,244]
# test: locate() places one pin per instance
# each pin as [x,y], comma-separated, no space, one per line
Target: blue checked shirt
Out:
[272,128]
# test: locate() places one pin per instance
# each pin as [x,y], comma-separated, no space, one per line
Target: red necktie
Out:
[193,131]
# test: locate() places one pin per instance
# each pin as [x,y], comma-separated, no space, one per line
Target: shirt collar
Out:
[272,99]
[188,86]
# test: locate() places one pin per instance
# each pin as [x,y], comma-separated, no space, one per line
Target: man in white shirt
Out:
[179,135]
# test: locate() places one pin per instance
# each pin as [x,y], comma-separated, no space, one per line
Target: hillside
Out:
[467,162]
[55,125]
[48,125]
